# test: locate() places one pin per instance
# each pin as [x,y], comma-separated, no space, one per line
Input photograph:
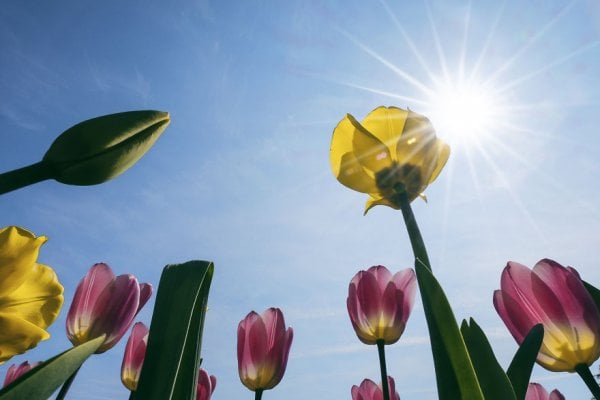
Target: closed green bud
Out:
[102,148]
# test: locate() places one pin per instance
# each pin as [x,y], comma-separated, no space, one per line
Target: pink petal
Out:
[145,294]
[381,274]
[114,310]
[556,395]
[88,290]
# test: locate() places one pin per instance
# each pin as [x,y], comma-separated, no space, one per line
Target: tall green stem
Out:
[258,394]
[416,240]
[584,372]
[66,386]
[382,366]
[25,176]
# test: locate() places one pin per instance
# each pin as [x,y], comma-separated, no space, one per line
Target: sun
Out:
[464,112]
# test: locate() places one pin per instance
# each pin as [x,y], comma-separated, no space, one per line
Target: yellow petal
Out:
[443,152]
[376,200]
[18,336]
[344,164]
[38,300]
[386,124]
[370,152]
[19,250]
[417,140]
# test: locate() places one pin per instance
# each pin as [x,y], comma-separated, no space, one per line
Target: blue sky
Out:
[241,176]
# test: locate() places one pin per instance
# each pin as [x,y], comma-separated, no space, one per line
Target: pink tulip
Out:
[263,347]
[369,390]
[133,359]
[105,305]
[206,385]
[554,296]
[15,371]
[535,391]
[380,303]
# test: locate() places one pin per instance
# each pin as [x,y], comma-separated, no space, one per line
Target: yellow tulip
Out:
[390,151]
[30,294]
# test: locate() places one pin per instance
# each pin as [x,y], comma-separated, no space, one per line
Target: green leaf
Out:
[173,354]
[594,292]
[455,376]
[492,378]
[519,370]
[43,380]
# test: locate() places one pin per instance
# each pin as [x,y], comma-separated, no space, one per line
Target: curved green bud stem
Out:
[383,368]
[25,176]
[258,394]
[584,372]
[66,386]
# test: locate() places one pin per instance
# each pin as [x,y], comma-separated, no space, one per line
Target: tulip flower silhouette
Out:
[554,296]
[263,347]
[105,304]
[380,303]
[391,150]
[369,390]
[133,358]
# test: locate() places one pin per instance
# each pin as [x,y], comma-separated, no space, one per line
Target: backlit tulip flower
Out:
[30,294]
[554,296]
[369,390]
[390,148]
[535,391]
[380,303]
[105,304]
[133,359]
[263,347]
[15,371]
[206,385]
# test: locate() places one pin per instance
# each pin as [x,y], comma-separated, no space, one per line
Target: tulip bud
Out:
[102,148]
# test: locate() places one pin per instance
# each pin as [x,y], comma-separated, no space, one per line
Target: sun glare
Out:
[464,112]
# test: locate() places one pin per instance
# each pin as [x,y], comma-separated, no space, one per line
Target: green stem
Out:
[258,394]
[66,386]
[416,240]
[584,372]
[25,176]
[384,382]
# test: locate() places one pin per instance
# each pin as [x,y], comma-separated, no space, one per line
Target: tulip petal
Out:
[442,152]
[38,300]
[18,335]
[346,167]
[145,294]
[378,200]
[80,316]
[133,358]
[370,152]
[19,250]
[386,124]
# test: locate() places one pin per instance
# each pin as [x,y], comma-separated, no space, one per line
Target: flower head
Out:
[380,303]
[99,149]
[15,371]
[105,304]
[263,347]
[30,294]
[391,149]
[133,359]
[369,390]
[535,391]
[206,385]
[554,296]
